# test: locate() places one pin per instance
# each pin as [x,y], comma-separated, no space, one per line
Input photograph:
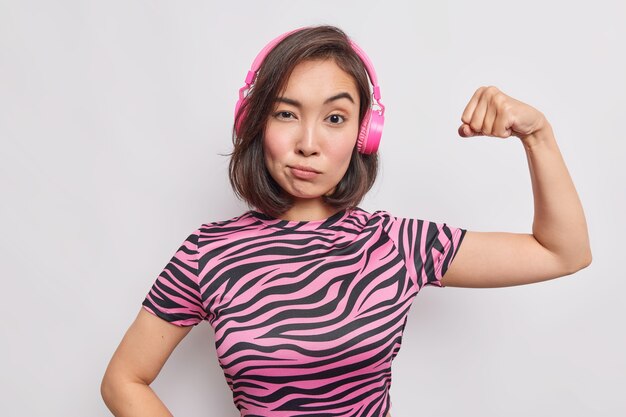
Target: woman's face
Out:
[314,124]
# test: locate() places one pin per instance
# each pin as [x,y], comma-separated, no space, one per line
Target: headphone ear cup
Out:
[371,132]
[362,139]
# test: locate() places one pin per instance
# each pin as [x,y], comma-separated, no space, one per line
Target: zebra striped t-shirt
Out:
[307,315]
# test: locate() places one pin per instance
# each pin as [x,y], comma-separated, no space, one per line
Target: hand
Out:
[490,112]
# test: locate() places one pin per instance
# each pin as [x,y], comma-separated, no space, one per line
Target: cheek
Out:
[342,152]
[274,143]
[340,159]
[269,148]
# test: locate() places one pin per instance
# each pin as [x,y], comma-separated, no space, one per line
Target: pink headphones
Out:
[372,125]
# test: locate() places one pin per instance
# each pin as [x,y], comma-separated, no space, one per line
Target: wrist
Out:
[539,135]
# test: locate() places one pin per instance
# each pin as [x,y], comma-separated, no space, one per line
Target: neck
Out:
[310,209]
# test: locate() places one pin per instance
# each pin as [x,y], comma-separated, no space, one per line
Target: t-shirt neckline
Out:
[333,220]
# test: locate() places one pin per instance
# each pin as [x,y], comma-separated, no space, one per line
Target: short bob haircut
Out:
[249,176]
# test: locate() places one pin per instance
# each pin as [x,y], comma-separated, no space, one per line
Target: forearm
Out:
[559,221]
[134,399]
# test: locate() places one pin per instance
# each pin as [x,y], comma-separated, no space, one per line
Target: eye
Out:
[285,115]
[336,119]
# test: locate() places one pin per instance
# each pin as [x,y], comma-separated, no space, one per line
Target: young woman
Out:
[307,293]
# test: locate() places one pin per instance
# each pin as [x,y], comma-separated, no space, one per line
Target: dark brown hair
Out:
[249,176]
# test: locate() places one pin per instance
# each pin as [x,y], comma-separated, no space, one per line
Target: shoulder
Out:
[378,217]
[374,216]
[382,220]
[243,220]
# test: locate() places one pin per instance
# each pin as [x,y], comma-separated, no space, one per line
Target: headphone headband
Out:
[256,64]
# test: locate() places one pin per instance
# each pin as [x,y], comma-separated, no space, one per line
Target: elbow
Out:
[107,390]
[587,260]
[112,389]
[118,390]
[581,262]
[115,394]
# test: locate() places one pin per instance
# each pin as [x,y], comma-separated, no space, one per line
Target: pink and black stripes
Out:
[308,316]
[174,296]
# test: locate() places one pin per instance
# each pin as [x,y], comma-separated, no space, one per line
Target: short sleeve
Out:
[175,295]
[427,247]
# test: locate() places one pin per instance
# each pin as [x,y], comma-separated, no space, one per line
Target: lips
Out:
[304,173]
[305,168]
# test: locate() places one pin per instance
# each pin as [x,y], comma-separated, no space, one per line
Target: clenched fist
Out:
[490,112]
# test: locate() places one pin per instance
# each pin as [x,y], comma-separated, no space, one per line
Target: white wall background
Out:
[112,118]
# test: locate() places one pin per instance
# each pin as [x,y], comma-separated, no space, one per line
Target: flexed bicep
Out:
[502,259]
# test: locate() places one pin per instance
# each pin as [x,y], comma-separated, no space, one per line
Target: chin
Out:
[306,196]
[314,192]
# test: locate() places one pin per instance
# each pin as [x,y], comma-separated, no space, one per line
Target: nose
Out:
[308,140]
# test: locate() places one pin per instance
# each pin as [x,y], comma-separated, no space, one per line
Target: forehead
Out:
[319,77]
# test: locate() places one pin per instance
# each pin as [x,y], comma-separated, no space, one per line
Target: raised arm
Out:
[559,243]
[143,351]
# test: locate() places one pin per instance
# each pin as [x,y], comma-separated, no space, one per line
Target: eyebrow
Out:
[296,103]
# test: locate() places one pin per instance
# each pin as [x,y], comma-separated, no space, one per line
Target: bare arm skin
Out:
[137,361]
[559,243]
